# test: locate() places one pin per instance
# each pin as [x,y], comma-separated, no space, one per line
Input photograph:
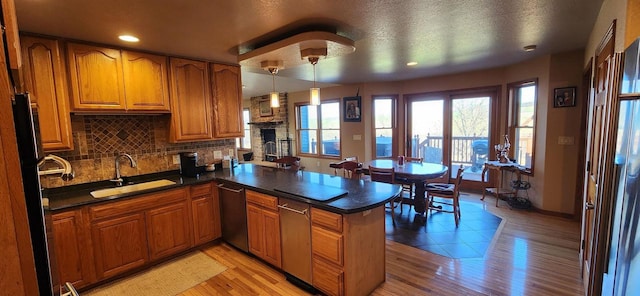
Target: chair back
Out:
[351,158]
[351,169]
[382,175]
[458,180]
[414,159]
[292,162]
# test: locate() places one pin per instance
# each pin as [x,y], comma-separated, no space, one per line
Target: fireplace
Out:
[269,148]
[267,132]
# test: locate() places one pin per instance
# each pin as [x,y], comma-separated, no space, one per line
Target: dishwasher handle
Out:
[221,186]
[285,207]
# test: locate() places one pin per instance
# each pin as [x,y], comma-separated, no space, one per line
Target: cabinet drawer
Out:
[327,244]
[326,219]
[132,205]
[267,201]
[200,190]
[327,278]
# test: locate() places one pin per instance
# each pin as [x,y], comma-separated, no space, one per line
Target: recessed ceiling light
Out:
[412,64]
[128,38]
[530,48]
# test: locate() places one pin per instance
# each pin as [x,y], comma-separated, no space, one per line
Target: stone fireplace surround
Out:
[278,121]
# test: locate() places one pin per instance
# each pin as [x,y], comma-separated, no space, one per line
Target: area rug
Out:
[471,239]
[169,278]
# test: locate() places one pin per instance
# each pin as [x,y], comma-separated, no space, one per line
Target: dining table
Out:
[416,173]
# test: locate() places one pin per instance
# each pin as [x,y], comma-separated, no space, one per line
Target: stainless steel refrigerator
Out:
[622,271]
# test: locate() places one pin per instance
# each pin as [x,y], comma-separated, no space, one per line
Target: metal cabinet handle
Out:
[221,186]
[589,206]
[284,207]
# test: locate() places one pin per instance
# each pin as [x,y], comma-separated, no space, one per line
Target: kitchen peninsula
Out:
[344,219]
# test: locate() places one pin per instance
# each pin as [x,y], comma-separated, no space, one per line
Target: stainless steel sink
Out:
[131,188]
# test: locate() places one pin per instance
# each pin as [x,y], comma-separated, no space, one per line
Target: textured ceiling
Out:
[442,36]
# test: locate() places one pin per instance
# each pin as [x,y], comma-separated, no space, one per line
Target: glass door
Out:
[426,130]
[470,134]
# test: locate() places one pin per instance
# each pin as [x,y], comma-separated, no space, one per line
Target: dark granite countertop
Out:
[344,195]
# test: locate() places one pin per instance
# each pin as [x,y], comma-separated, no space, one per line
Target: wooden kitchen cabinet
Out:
[45,80]
[120,244]
[145,81]
[96,78]
[72,248]
[205,204]
[168,230]
[263,227]
[191,116]
[226,85]
[343,245]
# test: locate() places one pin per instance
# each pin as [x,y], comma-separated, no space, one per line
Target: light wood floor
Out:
[533,254]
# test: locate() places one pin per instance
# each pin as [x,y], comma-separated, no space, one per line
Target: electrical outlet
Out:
[176,159]
[318,163]
[232,152]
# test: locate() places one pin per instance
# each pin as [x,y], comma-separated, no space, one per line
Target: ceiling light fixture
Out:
[313,55]
[273,67]
[529,48]
[128,38]
[412,64]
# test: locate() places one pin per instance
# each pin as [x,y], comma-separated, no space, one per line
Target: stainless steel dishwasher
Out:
[233,212]
[295,232]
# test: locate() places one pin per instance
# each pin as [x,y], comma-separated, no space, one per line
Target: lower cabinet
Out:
[263,227]
[120,244]
[205,207]
[348,251]
[73,254]
[168,230]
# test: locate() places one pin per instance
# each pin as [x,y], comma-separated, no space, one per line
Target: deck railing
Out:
[468,150]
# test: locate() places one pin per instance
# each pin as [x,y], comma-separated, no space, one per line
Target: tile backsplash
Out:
[97,139]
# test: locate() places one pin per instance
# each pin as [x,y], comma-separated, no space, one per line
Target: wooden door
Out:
[204,228]
[120,244]
[271,228]
[168,230]
[601,113]
[254,230]
[72,247]
[96,77]
[190,101]
[145,81]
[45,80]
[227,101]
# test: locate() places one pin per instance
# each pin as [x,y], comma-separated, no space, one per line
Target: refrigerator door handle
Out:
[589,206]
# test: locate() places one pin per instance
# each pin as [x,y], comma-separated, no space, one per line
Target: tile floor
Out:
[439,235]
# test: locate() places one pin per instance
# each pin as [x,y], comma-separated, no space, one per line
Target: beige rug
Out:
[169,278]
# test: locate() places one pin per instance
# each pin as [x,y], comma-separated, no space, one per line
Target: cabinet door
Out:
[254,230]
[120,244]
[72,248]
[190,101]
[204,212]
[45,80]
[168,230]
[227,101]
[272,250]
[145,81]
[96,77]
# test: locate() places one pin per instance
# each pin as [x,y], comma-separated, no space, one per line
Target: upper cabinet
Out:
[105,79]
[190,101]
[96,77]
[145,81]
[44,78]
[227,101]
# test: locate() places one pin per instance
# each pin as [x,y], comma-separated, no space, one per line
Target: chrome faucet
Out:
[118,179]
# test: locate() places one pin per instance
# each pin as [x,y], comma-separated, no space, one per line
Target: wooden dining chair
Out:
[351,169]
[407,185]
[448,194]
[386,176]
[288,162]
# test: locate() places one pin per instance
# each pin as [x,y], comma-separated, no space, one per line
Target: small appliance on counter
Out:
[188,161]
[229,163]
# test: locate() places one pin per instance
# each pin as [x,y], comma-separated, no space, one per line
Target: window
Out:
[245,142]
[318,128]
[384,125]
[522,122]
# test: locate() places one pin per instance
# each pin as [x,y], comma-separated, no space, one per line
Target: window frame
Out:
[318,130]
[513,117]
[247,132]
[394,123]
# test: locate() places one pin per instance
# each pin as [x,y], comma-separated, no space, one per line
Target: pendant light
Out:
[314,92]
[273,67]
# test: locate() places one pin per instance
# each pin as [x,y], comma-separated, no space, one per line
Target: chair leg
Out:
[392,208]
[456,211]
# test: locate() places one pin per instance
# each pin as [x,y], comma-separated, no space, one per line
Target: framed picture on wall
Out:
[564,97]
[352,109]
[265,108]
